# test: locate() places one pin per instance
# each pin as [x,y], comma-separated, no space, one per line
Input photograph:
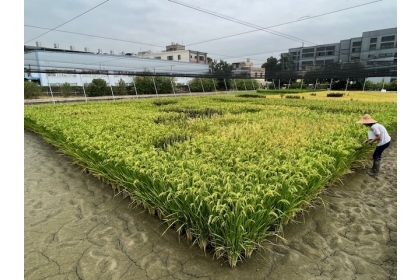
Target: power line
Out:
[243,23]
[67,21]
[300,19]
[88,35]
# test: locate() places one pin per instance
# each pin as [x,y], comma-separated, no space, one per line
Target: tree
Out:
[222,69]
[31,90]
[97,87]
[121,88]
[285,64]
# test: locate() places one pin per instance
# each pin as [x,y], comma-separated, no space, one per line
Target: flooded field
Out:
[76,227]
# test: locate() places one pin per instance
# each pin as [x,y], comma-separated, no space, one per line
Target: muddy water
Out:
[77,228]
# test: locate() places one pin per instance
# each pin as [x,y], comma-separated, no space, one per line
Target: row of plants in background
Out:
[225,172]
[142,85]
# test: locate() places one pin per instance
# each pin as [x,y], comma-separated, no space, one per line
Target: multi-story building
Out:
[376,48]
[177,52]
[247,69]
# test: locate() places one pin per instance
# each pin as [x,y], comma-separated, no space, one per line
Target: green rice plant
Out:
[225,172]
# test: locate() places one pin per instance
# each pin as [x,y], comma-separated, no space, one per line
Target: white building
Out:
[177,52]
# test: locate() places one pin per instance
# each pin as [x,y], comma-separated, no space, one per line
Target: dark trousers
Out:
[377,154]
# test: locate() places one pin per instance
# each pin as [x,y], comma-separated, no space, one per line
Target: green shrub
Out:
[31,90]
[251,95]
[293,96]
[335,94]
[65,89]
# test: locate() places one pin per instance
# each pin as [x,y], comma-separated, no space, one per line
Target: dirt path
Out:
[75,228]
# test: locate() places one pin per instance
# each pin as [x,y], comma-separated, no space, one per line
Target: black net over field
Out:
[90,63]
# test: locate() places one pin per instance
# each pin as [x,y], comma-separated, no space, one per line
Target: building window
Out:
[308,55]
[170,57]
[179,57]
[307,63]
[357,44]
[386,54]
[330,53]
[308,50]
[157,57]
[387,45]
[373,40]
[372,47]
[321,54]
[201,58]
[388,38]
[320,49]
[330,48]
[355,50]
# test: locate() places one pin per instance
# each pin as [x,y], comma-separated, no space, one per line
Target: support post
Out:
[347,83]
[215,89]
[134,83]
[331,84]
[112,92]
[83,86]
[154,84]
[225,85]
[52,96]
[364,83]
[235,84]
[173,89]
[202,85]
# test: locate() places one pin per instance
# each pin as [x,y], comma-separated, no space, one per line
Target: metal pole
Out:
[383,83]
[274,85]
[215,89]
[288,85]
[48,80]
[301,83]
[279,84]
[202,84]
[225,85]
[83,86]
[235,84]
[364,84]
[112,92]
[134,83]
[245,85]
[316,82]
[347,83]
[253,84]
[331,84]
[153,79]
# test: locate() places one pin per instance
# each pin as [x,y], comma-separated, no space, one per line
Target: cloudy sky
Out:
[230,30]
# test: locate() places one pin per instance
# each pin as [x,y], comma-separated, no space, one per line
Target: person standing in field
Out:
[380,135]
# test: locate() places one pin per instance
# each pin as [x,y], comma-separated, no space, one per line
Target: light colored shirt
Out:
[380,130]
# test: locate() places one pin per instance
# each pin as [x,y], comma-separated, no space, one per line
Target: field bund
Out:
[226,172]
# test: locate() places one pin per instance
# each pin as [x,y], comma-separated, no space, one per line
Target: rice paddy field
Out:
[224,171]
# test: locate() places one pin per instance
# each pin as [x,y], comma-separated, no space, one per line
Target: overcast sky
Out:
[228,30]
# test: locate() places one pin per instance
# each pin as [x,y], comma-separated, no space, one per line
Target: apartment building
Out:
[246,68]
[177,52]
[376,48]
